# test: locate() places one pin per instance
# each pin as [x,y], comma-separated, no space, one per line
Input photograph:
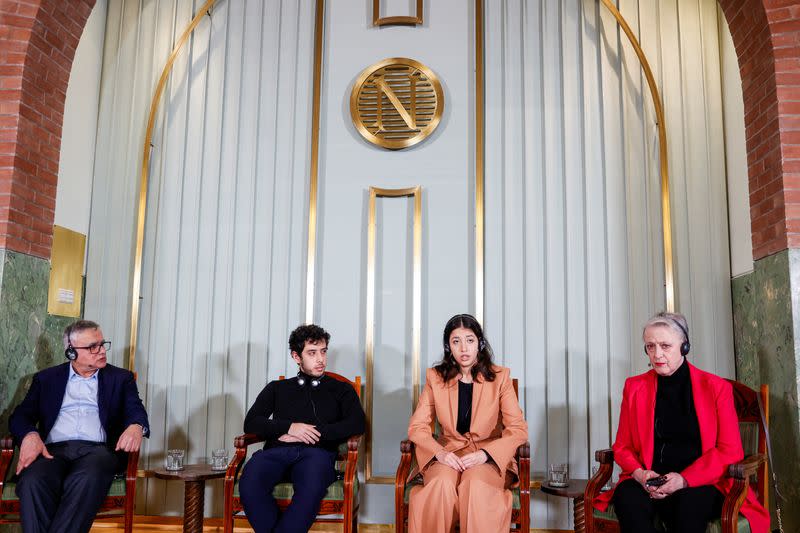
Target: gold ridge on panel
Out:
[377,20]
[147,147]
[311,250]
[416,314]
[666,210]
[479,162]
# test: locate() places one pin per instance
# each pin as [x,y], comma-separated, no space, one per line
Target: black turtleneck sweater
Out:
[677,433]
[332,407]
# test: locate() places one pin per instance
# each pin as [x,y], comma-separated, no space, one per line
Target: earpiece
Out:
[70,353]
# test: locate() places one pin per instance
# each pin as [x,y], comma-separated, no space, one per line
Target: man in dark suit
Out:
[72,423]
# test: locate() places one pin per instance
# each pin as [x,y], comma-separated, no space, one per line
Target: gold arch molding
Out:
[666,213]
[141,211]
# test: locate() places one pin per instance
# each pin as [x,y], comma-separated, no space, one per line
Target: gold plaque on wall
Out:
[396,103]
[66,273]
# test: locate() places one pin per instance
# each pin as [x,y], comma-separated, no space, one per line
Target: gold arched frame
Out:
[666,210]
[314,170]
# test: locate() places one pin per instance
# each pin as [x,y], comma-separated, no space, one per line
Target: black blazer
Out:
[117,398]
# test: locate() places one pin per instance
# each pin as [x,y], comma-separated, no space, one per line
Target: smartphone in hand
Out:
[656,481]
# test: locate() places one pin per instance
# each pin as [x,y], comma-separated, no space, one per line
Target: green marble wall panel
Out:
[766,315]
[30,338]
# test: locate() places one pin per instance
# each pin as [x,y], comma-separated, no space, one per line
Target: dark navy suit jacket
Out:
[117,398]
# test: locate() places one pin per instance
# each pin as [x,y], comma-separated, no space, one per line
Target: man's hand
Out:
[474,459]
[675,482]
[288,438]
[131,439]
[304,433]
[31,448]
[450,459]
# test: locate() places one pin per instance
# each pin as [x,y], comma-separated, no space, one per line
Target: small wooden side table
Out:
[194,478]
[575,491]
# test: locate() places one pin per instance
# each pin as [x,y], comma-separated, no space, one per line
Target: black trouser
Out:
[63,494]
[310,469]
[685,511]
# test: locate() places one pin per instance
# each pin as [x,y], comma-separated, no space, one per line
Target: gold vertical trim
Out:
[666,211]
[479,161]
[147,147]
[377,20]
[416,327]
[314,172]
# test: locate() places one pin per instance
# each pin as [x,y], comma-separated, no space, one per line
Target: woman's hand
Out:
[641,476]
[450,459]
[474,459]
[675,482]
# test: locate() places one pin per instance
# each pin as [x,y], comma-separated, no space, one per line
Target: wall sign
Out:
[396,103]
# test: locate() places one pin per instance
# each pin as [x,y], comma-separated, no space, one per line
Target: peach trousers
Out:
[476,499]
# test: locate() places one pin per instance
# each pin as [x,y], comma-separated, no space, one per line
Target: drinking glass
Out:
[219,459]
[558,475]
[174,459]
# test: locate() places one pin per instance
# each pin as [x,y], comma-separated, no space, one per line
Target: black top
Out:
[332,407]
[677,433]
[464,407]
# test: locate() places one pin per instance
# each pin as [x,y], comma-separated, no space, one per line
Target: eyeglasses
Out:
[94,349]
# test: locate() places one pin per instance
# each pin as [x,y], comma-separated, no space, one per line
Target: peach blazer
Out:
[497,425]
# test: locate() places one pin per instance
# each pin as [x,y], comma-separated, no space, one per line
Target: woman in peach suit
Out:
[466,471]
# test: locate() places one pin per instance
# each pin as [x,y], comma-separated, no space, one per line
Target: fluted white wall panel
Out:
[224,256]
[574,261]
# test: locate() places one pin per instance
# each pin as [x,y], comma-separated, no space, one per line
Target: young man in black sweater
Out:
[304,420]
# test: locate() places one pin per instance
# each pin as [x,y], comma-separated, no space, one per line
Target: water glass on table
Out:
[219,459]
[558,475]
[174,459]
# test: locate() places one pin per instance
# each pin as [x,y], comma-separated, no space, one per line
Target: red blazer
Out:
[719,436]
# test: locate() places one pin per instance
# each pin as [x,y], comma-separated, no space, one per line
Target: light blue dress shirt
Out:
[79,418]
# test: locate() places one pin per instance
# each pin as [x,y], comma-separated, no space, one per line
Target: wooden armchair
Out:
[119,501]
[521,496]
[753,467]
[342,496]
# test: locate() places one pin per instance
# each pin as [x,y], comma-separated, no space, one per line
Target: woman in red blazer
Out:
[678,432]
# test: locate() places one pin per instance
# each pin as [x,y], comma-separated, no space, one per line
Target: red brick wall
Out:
[766,34]
[37,44]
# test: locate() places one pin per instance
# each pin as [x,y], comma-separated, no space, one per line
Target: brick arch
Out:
[766,34]
[38,39]
[37,45]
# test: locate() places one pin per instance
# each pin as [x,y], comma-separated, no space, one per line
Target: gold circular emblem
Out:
[396,103]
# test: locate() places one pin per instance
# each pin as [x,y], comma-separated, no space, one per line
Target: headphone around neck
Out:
[301,380]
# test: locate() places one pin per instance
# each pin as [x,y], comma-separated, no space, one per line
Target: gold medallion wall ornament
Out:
[396,103]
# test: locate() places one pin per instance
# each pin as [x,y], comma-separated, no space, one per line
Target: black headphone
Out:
[452,322]
[302,381]
[70,352]
[685,345]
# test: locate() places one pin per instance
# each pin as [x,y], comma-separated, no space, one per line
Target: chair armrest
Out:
[524,468]
[740,472]
[243,441]
[132,466]
[604,457]
[601,477]
[406,457]
[6,457]
[746,467]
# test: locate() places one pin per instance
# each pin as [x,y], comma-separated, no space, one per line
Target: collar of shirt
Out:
[73,374]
